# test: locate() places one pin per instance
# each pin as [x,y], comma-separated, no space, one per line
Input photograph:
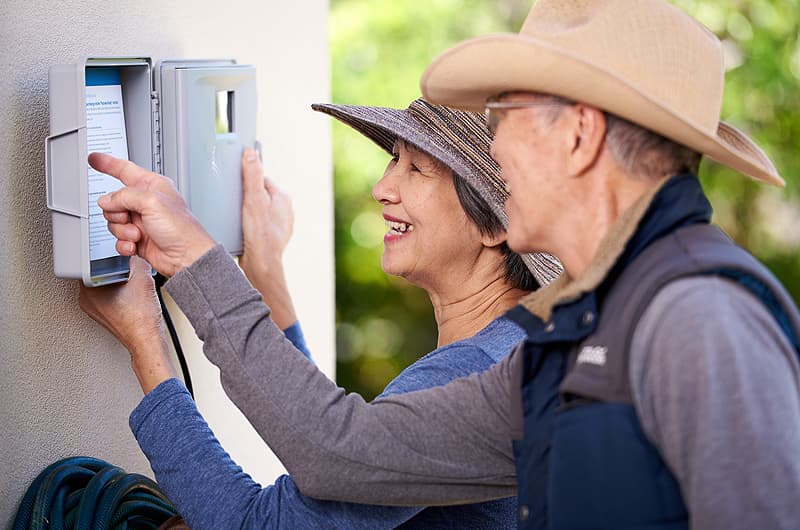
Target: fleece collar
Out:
[674,202]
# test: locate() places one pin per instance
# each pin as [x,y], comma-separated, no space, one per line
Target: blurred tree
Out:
[762,51]
[379,50]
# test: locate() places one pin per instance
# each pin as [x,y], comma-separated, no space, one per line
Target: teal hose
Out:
[86,510]
[115,494]
[127,510]
[25,512]
[54,489]
[85,493]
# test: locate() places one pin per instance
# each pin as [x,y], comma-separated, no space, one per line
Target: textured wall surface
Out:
[66,387]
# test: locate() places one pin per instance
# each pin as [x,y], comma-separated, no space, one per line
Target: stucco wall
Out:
[66,387]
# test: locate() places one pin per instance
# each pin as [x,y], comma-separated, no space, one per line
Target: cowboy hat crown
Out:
[644,60]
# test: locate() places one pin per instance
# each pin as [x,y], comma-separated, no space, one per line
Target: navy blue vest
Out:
[584,461]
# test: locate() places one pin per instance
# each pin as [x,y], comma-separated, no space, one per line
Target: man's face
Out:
[531,145]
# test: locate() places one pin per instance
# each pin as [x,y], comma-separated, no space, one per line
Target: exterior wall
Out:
[66,386]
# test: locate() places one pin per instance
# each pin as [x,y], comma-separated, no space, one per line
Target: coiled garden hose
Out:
[85,493]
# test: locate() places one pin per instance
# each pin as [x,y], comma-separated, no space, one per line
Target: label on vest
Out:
[595,355]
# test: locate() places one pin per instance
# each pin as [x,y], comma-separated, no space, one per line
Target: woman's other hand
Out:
[131,312]
[267,223]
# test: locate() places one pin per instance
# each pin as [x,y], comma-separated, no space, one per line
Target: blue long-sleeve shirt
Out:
[212,491]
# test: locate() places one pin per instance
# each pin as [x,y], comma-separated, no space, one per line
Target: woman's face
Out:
[430,237]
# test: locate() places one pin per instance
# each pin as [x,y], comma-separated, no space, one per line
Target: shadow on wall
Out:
[31,250]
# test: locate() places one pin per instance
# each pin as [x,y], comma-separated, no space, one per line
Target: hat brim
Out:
[469,73]
[384,125]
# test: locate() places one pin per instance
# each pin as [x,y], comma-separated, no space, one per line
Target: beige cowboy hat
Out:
[643,60]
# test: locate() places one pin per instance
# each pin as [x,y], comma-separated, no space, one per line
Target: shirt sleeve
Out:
[717,388]
[211,491]
[449,363]
[295,335]
[444,445]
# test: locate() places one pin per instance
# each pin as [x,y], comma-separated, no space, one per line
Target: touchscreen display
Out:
[105,133]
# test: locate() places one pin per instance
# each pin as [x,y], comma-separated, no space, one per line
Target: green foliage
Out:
[762,51]
[379,51]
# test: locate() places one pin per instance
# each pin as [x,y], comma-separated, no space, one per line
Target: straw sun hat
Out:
[458,139]
[643,60]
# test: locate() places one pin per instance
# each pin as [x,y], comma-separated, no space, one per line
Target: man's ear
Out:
[494,240]
[588,130]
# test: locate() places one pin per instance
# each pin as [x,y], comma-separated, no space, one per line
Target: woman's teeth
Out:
[398,227]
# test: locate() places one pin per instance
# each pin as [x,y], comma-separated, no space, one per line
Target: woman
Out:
[445,235]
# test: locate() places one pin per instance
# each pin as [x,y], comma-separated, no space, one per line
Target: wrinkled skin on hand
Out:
[132,313]
[149,218]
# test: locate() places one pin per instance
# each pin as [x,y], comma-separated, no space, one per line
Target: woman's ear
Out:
[494,240]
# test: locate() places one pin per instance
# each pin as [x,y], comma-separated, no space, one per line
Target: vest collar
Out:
[674,202]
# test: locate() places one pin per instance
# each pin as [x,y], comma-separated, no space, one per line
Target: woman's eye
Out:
[414,168]
[395,157]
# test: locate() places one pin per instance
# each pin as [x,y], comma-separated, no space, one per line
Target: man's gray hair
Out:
[644,154]
[640,152]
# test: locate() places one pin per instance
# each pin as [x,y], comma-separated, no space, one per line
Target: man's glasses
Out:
[494,109]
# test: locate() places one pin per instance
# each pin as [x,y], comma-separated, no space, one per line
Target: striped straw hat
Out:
[457,138]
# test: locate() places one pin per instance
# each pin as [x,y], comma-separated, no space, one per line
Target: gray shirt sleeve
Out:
[717,388]
[444,445]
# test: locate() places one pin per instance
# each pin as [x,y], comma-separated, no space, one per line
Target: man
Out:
[659,385]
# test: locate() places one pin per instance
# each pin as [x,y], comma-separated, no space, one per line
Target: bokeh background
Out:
[379,50]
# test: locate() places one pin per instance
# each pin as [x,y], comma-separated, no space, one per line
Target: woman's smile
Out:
[398,229]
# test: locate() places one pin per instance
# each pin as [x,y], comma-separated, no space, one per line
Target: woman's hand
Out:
[267,222]
[131,312]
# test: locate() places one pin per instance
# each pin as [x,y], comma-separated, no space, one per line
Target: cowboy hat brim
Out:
[467,74]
